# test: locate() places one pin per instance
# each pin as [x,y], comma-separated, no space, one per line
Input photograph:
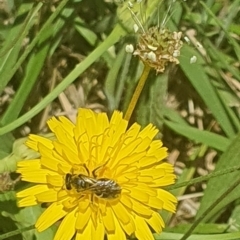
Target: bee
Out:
[106,188]
[79,182]
[102,187]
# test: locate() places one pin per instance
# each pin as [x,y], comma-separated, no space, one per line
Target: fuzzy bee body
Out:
[106,188]
[78,182]
[102,187]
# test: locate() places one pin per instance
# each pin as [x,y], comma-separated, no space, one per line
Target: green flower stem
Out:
[137,92]
[208,210]
[203,178]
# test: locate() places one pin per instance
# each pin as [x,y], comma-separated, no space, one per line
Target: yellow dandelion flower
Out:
[99,177]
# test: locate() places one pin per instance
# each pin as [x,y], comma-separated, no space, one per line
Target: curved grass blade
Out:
[210,139]
[215,186]
[79,69]
[201,82]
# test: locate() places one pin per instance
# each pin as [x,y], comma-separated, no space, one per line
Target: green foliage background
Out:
[99,30]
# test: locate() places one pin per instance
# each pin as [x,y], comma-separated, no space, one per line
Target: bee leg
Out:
[96,169]
[84,165]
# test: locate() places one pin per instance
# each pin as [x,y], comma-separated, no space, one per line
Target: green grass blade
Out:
[233,42]
[201,82]
[80,68]
[6,142]
[111,83]
[215,186]
[177,236]
[210,139]
[29,49]
[8,62]
[34,67]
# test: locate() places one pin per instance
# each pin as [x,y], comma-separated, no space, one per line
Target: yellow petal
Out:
[101,205]
[83,149]
[47,196]
[65,138]
[132,133]
[128,175]
[64,169]
[32,190]
[31,164]
[140,208]
[63,129]
[154,173]
[83,219]
[155,202]
[49,161]
[142,229]
[86,233]
[56,181]
[128,228]
[37,176]
[165,195]
[155,145]
[67,229]
[53,123]
[102,123]
[90,232]
[67,124]
[84,204]
[69,202]
[45,150]
[160,153]
[51,215]
[146,179]
[70,156]
[27,201]
[62,194]
[86,118]
[121,212]
[142,187]
[108,220]
[58,148]
[164,181]
[129,149]
[126,200]
[98,232]
[33,141]
[166,166]
[118,234]
[143,146]
[169,201]
[156,222]
[149,131]
[147,161]
[117,127]
[138,194]
[116,118]
[131,159]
